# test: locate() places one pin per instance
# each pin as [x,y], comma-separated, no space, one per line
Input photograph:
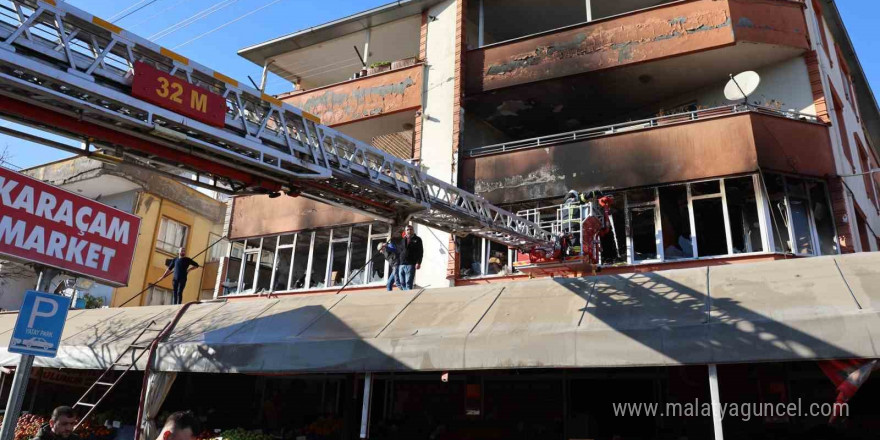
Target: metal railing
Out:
[642,124]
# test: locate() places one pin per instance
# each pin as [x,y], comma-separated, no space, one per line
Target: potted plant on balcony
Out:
[379,67]
[406,62]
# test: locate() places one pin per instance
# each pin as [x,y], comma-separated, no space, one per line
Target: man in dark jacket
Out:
[389,251]
[60,425]
[410,258]
[181,267]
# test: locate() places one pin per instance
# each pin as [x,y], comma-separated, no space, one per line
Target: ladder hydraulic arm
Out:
[69,72]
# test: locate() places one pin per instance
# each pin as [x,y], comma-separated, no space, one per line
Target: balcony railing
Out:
[643,124]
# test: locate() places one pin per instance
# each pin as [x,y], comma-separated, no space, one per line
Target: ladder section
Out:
[69,64]
[125,362]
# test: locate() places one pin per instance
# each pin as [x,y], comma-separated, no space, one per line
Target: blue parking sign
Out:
[39,325]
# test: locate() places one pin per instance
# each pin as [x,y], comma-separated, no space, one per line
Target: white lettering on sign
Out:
[36,313]
[79,251]
[46,206]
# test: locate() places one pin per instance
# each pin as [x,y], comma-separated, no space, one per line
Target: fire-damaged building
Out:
[734,143]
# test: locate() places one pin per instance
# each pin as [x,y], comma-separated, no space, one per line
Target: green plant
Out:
[93,302]
[380,64]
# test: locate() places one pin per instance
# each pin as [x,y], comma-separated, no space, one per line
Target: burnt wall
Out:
[254,216]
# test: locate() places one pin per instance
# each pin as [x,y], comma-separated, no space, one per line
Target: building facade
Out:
[521,102]
[173,215]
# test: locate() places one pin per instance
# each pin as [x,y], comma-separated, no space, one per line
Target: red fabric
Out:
[847,375]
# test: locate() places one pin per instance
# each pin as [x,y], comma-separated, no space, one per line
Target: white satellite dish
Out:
[741,86]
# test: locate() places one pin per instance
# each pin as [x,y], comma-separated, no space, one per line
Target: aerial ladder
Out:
[65,71]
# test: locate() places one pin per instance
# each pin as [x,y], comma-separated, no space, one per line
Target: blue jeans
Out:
[392,277]
[406,275]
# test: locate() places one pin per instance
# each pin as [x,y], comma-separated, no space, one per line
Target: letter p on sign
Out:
[35,312]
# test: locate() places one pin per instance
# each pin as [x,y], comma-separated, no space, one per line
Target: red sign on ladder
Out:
[157,87]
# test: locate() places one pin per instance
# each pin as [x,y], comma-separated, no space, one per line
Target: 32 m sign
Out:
[157,87]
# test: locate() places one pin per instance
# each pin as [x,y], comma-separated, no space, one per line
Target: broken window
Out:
[614,243]
[710,228]
[820,209]
[250,259]
[358,249]
[282,267]
[301,255]
[339,256]
[320,250]
[675,222]
[378,267]
[779,212]
[233,268]
[497,262]
[742,208]
[799,207]
[643,227]
[266,262]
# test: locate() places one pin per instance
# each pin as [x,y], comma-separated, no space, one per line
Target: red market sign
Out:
[175,94]
[50,226]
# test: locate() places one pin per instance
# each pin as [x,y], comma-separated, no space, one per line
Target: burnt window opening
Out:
[710,228]
[744,221]
[615,252]
[675,222]
[306,260]
[642,224]
[481,257]
[802,218]
[779,212]
[823,217]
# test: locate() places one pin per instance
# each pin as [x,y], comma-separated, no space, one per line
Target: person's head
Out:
[381,246]
[181,252]
[62,422]
[409,231]
[181,425]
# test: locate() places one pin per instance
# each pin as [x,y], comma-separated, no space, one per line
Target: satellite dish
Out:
[741,86]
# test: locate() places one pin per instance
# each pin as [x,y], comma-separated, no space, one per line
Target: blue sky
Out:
[218,49]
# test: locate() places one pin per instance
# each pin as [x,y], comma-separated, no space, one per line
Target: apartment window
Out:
[744,221]
[158,297]
[216,252]
[866,167]
[820,22]
[172,235]
[802,221]
[307,260]
[481,257]
[643,225]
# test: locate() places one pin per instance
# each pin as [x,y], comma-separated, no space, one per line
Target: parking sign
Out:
[39,325]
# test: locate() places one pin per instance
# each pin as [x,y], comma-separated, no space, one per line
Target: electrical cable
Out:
[152,285]
[149,18]
[191,19]
[226,24]
[116,15]
[132,12]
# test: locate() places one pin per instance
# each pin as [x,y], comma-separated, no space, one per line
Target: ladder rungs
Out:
[105,384]
[85,404]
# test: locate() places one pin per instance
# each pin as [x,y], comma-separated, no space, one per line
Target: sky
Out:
[217,49]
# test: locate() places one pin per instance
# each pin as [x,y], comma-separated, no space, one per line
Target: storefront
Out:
[547,358]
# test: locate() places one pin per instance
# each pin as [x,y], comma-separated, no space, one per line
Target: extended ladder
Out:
[125,362]
[66,71]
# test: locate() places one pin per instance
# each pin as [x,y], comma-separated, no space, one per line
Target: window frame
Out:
[337,235]
[162,223]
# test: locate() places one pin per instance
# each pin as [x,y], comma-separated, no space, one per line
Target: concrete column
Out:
[437,131]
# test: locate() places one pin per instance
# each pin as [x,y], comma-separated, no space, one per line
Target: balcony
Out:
[669,30]
[378,94]
[681,147]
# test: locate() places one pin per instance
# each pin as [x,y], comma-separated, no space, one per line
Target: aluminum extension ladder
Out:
[127,360]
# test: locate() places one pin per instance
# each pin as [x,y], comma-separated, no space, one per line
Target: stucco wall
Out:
[830,75]
[437,134]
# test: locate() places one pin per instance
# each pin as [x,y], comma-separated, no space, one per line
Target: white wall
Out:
[831,71]
[786,83]
[437,128]
[15,280]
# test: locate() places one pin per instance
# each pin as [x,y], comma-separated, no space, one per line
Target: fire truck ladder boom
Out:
[66,71]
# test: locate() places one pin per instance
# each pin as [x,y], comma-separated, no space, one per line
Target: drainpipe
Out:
[482,25]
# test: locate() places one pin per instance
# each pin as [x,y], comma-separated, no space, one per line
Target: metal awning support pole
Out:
[365,410]
[265,75]
[716,401]
[589,4]
[481,32]
[366,54]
